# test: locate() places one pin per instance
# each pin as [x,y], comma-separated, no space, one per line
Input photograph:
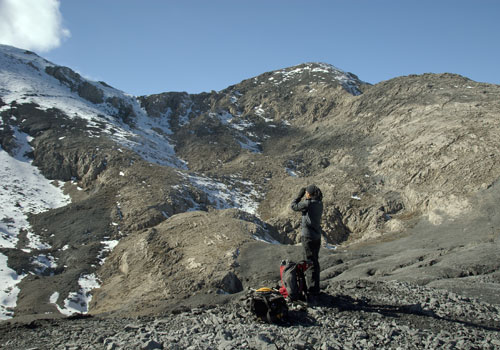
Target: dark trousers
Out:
[311,253]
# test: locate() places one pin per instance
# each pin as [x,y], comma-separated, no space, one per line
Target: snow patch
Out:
[291,172]
[108,247]
[238,194]
[250,145]
[23,190]
[261,113]
[266,239]
[347,80]
[43,262]
[9,291]
[291,169]
[77,302]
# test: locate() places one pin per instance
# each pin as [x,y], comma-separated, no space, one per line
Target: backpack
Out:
[268,305]
[293,280]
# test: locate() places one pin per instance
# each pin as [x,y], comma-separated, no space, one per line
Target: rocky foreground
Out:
[350,315]
[173,194]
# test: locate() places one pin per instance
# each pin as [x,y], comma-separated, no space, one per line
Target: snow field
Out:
[23,190]
[9,291]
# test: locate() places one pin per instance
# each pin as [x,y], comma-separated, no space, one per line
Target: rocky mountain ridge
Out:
[169,192]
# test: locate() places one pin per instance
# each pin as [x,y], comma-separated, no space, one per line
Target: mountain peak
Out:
[312,73]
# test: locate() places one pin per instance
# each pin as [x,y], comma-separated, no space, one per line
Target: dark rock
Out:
[90,92]
[230,283]
[151,345]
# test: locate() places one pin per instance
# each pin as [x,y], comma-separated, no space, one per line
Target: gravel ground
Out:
[350,315]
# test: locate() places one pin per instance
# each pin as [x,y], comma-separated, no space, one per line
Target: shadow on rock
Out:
[346,303]
[300,318]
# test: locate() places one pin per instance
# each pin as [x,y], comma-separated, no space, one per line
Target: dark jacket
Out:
[311,209]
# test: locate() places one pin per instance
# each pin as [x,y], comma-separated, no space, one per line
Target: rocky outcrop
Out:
[188,254]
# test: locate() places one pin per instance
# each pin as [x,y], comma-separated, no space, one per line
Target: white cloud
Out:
[31,24]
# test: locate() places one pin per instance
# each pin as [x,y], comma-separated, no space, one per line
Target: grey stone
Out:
[151,345]
[112,346]
[300,344]
[131,327]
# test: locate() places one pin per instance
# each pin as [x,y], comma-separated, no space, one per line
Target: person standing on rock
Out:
[312,210]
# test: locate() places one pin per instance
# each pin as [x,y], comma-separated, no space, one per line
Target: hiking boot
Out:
[313,291]
[312,299]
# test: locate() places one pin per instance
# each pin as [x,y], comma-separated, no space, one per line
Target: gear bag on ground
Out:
[268,305]
[293,280]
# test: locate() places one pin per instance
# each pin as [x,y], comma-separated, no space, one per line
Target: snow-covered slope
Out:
[28,78]
[23,190]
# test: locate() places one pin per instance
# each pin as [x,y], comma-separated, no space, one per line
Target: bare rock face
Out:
[429,149]
[190,253]
[407,147]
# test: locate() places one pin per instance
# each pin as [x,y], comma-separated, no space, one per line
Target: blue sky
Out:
[145,47]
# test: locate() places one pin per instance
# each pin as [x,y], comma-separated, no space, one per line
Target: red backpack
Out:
[293,280]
